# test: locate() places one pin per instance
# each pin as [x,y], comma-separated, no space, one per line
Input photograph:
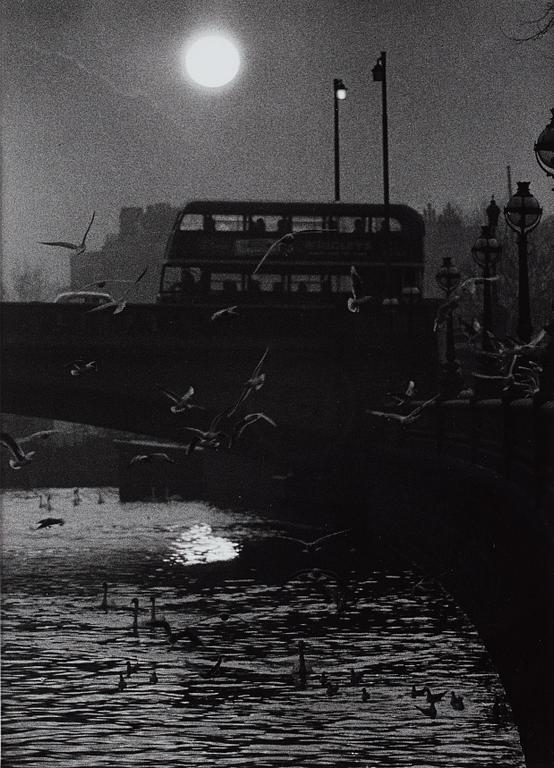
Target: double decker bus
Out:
[215,249]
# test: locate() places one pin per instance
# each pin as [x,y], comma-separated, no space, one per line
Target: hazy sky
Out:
[97,113]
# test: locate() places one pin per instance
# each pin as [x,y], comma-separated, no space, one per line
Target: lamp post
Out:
[544,148]
[379,72]
[448,278]
[339,94]
[486,252]
[522,214]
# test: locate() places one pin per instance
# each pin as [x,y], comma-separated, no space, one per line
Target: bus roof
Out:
[402,213]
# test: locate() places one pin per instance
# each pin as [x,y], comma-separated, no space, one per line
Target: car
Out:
[84,298]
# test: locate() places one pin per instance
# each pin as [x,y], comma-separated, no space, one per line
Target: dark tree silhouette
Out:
[540,26]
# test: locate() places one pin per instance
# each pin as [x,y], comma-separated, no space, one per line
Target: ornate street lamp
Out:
[544,148]
[448,278]
[486,252]
[522,214]
[339,94]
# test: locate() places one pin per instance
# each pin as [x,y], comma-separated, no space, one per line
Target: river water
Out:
[230,585]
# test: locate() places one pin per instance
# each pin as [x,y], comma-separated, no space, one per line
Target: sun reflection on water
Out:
[198,545]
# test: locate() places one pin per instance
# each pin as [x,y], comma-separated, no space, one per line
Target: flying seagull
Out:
[248,420]
[118,305]
[253,384]
[20,458]
[226,312]
[406,396]
[287,239]
[180,402]
[409,417]
[79,249]
[81,368]
[104,282]
[310,547]
[357,288]
[212,437]
[142,458]
[452,303]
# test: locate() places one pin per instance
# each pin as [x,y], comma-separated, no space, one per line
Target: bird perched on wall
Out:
[180,402]
[358,297]
[253,384]
[20,458]
[78,249]
[409,418]
[118,305]
[142,458]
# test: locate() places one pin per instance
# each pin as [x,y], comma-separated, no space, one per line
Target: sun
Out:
[212,61]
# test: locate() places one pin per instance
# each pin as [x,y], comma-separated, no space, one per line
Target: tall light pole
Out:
[448,278]
[486,252]
[379,72]
[339,94]
[522,214]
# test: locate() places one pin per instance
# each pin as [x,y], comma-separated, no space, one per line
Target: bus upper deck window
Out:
[225,222]
[307,222]
[191,221]
[352,225]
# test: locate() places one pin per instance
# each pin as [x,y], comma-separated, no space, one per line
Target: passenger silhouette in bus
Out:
[284,226]
[359,226]
[301,288]
[257,226]
[209,223]
[332,223]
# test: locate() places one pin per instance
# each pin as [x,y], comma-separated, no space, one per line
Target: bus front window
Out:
[190,221]
[176,280]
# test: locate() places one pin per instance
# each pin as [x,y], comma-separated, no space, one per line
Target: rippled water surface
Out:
[229,585]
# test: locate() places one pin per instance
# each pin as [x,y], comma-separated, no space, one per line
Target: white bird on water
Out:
[118,305]
[20,458]
[80,248]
